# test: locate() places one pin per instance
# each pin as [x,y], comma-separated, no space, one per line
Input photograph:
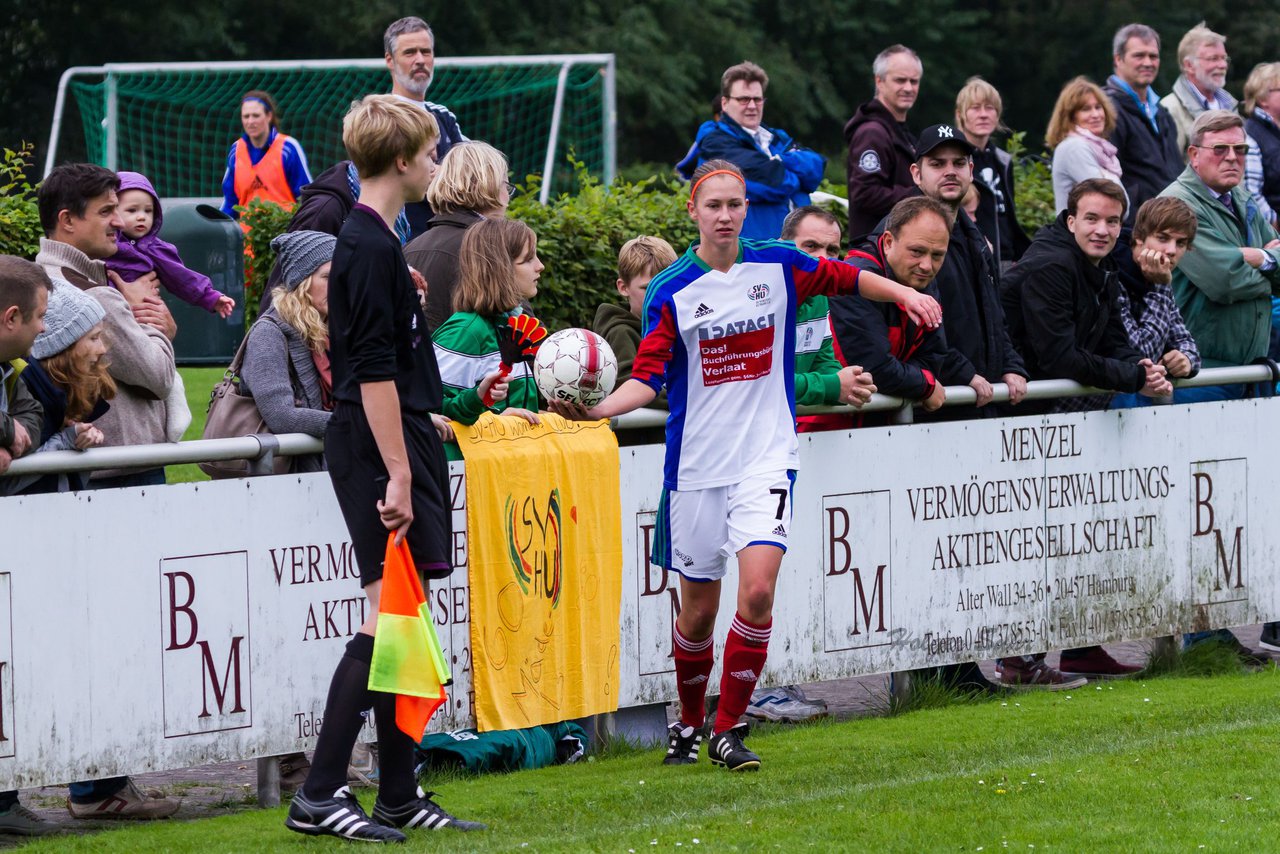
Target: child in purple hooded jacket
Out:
[139,249]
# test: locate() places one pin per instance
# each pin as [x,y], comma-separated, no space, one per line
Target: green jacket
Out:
[1225,303]
[17,405]
[620,329]
[467,349]
[816,365]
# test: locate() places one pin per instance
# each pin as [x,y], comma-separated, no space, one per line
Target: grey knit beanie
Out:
[301,253]
[71,314]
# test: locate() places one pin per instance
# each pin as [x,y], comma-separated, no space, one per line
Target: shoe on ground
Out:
[1270,639]
[968,678]
[683,742]
[17,820]
[1017,673]
[727,750]
[421,812]
[126,804]
[1097,663]
[783,705]
[340,816]
[362,770]
[294,768]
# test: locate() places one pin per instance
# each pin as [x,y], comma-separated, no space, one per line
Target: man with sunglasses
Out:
[1225,282]
[780,175]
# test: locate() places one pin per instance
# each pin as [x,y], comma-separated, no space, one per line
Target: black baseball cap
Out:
[936,135]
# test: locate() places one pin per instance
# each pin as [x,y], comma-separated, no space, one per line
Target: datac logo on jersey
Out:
[535,544]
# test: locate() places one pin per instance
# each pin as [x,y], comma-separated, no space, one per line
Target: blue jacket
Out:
[775,181]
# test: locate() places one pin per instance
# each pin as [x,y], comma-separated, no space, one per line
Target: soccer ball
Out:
[576,366]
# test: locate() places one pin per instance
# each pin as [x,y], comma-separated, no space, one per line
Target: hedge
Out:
[579,234]
[20,230]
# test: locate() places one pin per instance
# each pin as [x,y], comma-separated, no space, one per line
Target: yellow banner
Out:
[544,539]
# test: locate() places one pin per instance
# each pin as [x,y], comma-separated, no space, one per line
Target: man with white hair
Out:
[1202,56]
[409,48]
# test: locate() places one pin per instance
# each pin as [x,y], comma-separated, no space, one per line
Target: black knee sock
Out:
[348,696]
[397,784]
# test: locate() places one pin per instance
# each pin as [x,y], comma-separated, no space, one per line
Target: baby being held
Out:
[139,249]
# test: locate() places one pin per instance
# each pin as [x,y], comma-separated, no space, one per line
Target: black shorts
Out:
[360,482]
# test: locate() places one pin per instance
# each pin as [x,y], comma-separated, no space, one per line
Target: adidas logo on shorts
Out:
[702,311]
[744,675]
[780,531]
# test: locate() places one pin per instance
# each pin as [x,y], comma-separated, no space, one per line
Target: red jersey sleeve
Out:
[824,276]
[656,347]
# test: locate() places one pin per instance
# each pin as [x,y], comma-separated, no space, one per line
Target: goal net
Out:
[175,122]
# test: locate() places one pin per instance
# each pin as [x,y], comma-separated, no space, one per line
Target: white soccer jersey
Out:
[724,345]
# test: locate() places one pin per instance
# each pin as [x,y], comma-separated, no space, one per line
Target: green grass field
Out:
[199,382]
[1169,764]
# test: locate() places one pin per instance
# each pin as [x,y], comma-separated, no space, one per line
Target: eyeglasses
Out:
[511,189]
[746,100]
[1220,57]
[1240,149]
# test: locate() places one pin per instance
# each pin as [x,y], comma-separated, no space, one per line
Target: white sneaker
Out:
[786,704]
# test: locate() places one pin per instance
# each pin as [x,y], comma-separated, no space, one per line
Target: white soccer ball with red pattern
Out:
[576,366]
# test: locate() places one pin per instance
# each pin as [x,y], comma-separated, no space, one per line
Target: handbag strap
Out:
[237,361]
[233,370]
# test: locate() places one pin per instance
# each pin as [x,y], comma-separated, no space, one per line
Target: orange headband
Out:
[694,192]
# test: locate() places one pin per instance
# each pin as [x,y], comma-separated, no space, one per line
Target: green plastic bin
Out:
[212,243]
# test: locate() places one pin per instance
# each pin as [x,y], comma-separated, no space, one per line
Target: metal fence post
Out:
[269,782]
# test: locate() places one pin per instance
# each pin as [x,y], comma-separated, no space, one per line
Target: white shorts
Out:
[698,529]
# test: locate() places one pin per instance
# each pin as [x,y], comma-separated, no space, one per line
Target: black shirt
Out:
[377,331]
[988,169]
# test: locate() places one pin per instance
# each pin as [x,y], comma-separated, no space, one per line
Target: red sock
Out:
[744,653]
[693,665]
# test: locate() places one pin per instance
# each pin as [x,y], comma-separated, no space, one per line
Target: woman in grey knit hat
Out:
[67,373]
[286,359]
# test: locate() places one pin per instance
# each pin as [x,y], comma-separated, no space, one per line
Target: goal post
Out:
[176,121]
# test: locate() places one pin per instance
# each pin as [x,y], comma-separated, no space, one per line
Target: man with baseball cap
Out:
[979,349]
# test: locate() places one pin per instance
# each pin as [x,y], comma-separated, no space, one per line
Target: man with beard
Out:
[979,350]
[1202,54]
[410,52]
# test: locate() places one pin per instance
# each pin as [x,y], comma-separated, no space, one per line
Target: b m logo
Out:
[1220,533]
[205,655]
[856,570]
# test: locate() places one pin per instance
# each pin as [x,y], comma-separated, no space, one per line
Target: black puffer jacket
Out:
[323,206]
[1062,315]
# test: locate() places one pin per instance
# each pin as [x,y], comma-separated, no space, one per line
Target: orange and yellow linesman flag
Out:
[407,658]
[544,548]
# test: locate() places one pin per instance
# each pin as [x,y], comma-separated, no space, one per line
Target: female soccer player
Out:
[719,334]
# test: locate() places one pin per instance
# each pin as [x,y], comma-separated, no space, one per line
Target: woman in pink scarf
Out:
[1079,133]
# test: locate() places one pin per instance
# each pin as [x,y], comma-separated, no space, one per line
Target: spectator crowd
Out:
[1163,259]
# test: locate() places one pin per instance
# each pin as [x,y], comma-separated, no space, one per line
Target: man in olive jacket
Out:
[1225,282]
